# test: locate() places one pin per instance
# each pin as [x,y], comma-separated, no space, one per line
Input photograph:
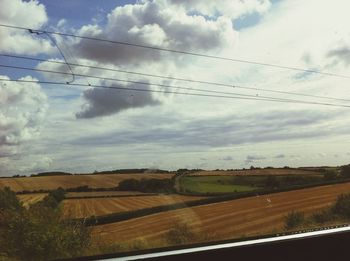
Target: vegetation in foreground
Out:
[38,232]
[338,213]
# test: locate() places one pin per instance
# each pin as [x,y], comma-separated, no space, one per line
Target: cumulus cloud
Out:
[30,14]
[154,23]
[104,102]
[22,109]
[231,8]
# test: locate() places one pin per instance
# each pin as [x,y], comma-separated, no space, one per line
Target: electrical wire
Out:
[182,52]
[178,93]
[178,79]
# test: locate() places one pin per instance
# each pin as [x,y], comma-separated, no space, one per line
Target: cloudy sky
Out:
[81,127]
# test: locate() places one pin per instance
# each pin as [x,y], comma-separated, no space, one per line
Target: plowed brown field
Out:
[28,199]
[231,219]
[71,181]
[79,208]
[255,172]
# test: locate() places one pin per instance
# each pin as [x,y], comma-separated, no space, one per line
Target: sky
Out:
[81,128]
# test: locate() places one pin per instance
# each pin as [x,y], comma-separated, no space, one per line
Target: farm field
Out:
[226,220]
[274,171]
[28,199]
[212,184]
[80,208]
[71,181]
[202,184]
[104,194]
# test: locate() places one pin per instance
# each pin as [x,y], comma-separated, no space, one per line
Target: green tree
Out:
[345,171]
[40,232]
[330,175]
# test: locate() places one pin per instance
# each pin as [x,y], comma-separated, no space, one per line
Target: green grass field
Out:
[209,184]
[231,184]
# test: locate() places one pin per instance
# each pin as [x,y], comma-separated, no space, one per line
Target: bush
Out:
[147,185]
[345,171]
[322,216]
[180,234]
[330,175]
[342,206]
[293,220]
[38,233]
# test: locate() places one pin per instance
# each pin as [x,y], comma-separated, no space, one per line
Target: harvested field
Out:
[226,220]
[71,181]
[28,199]
[254,172]
[103,194]
[79,208]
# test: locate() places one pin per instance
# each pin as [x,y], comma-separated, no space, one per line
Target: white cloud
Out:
[22,109]
[30,14]
[230,8]
[158,24]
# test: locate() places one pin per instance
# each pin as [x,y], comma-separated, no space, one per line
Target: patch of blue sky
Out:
[252,19]
[80,12]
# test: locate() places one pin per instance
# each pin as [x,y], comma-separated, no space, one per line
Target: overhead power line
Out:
[180,52]
[177,93]
[176,78]
[146,83]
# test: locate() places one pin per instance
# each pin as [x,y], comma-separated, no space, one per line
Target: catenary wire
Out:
[176,78]
[181,52]
[177,93]
[153,84]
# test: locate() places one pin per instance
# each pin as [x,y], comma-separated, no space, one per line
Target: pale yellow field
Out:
[79,208]
[93,181]
[28,199]
[231,219]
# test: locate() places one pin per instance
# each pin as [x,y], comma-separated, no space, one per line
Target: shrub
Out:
[38,233]
[293,220]
[342,206]
[330,175]
[345,171]
[180,234]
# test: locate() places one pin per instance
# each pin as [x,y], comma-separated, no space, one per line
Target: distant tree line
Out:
[54,173]
[131,171]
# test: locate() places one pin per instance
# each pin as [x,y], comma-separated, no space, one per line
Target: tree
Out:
[39,232]
[345,171]
[330,175]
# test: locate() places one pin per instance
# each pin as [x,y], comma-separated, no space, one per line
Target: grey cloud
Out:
[223,131]
[252,158]
[280,156]
[341,54]
[104,102]
[227,158]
